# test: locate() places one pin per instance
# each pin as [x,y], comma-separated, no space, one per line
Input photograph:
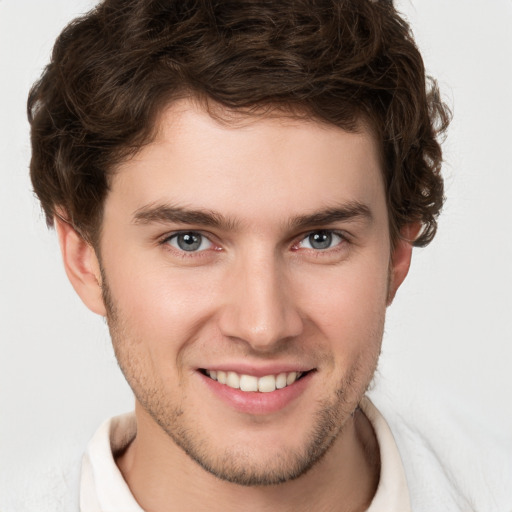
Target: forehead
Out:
[276,165]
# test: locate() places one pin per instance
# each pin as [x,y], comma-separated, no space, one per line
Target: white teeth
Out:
[291,378]
[267,384]
[281,381]
[233,380]
[250,383]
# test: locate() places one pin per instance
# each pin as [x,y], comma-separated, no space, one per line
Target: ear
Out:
[401,258]
[82,266]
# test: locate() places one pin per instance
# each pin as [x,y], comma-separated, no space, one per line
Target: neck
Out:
[163,478]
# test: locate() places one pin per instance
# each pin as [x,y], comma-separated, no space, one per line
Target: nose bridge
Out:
[260,308]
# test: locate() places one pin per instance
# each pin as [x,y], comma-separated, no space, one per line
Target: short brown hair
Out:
[339,61]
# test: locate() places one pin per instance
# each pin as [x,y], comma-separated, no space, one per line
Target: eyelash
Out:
[331,233]
[343,240]
[165,241]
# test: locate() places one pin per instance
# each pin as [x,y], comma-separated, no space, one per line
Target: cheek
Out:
[348,304]
[160,304]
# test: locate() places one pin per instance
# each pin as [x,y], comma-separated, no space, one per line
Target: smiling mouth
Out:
[250,383]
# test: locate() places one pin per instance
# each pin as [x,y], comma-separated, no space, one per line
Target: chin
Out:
[260,454]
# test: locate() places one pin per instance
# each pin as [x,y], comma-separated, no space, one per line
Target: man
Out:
[237,188]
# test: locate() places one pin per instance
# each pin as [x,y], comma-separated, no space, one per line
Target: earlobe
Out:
[81,265]
[401,258]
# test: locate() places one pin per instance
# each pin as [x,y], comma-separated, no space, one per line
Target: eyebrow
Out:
[353,210]
[155,213]
[161,213]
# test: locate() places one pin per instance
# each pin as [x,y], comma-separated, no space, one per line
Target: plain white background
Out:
[449,332]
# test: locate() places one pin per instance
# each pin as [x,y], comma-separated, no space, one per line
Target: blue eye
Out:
[189,241]
[321,240]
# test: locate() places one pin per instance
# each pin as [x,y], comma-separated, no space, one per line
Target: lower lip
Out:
[256,402]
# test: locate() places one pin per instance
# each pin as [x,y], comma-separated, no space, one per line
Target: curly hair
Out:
[338,61]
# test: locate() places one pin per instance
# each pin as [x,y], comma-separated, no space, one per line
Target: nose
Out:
[260,306]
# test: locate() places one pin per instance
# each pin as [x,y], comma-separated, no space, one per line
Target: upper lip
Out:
[258,370]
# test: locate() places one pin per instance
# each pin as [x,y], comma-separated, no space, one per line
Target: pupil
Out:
[189,241]
[320,240]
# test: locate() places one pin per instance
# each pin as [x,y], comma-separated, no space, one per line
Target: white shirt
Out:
[103,488]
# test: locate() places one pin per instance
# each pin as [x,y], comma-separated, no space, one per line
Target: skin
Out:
[256,295]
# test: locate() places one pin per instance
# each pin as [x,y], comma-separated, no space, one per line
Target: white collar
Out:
[103,489]
[392,492]
[102,486]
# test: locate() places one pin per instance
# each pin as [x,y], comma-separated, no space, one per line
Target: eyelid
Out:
[164,240]
[304,236]
[170,234]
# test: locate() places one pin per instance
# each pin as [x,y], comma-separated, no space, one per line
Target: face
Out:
[246,271]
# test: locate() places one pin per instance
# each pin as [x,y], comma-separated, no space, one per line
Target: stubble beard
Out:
[236,464]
